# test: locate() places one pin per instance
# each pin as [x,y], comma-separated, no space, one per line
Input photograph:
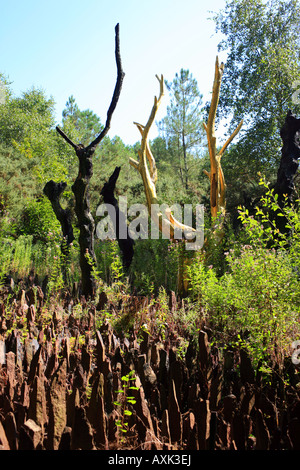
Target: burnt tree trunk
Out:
[290,135]
[284,186]
[80,187]
[85,220]
[53,191]
[125,243]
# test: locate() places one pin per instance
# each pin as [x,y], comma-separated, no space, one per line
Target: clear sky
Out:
[66,47]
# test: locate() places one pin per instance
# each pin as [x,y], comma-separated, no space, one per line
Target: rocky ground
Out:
[62,383]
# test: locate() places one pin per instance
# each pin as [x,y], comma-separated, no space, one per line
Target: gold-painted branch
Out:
[151,159]
[157,102]
[228,141]
[219,69]
[149,177]
[134,163]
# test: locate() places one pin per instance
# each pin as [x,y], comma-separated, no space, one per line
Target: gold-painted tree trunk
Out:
[216,176]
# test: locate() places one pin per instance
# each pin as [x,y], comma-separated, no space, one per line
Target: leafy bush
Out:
[258,296]
[38,220]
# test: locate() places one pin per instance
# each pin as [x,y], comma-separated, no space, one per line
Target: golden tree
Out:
[216,176]
[146,166]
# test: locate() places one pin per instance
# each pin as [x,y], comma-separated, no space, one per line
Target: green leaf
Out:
[132,402]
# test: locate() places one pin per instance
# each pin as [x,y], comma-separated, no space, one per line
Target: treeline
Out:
[32,153]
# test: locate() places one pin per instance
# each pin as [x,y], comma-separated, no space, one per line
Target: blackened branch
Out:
[67,139]
[80,187]
[114,101]
[117,91]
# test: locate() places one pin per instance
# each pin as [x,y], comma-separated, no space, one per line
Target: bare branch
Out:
[80,187]
[149,177]
[117,91]
[150,157]
[165,221]
[114,101]
[157,102]
[231,138]
[219,69]
[67,139]
[134,163]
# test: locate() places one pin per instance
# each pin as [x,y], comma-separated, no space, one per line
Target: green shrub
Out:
[258,295]
[38,220]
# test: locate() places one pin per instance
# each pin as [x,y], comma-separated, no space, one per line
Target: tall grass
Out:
[19,257]
[21,262]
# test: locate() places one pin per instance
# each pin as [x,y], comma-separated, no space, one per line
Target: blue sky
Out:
[67,48]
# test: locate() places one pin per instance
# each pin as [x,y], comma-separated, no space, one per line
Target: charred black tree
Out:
[53,191]
[284,186]
[290,135]
[290,153]
[80,187]
[125,242]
